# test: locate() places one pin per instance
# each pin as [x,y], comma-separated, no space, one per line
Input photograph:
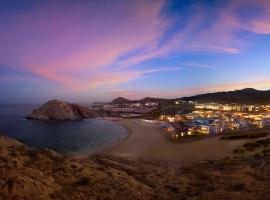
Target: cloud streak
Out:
[181,92]
[61,50]
[83,46]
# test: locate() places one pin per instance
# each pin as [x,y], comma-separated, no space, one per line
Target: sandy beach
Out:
[149,141]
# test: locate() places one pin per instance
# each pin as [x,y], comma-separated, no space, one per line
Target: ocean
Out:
[67,137]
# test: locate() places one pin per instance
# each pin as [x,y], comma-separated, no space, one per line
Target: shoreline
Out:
[101,150]
[149,142]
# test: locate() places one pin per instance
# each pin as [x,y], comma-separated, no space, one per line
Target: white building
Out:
[151,104]
[108,106]
[135,105]
[200,106]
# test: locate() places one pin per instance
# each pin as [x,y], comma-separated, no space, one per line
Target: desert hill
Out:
[31,174]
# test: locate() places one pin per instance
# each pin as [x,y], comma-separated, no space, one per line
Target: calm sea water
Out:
[69,137]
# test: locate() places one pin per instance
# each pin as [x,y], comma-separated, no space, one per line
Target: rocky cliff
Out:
[59,110]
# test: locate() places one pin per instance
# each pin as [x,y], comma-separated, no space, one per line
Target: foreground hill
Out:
[59,110]
[245,96]
[27,173]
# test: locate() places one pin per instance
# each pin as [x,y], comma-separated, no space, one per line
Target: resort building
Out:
[151,104]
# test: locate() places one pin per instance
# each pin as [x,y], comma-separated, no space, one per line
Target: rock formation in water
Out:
[59,110]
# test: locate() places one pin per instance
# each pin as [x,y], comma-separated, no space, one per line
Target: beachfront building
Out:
[177,102]
[214,118]
[243,124]
[204,129]
[227,107]
[171,119]
[108,106]
[199,129]
[213,106]
[151,104]
[200,106]
[262,123]
[266,123]
[97,105]
[132,105]
[230,107]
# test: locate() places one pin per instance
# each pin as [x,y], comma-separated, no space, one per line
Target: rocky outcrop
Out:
[59,110]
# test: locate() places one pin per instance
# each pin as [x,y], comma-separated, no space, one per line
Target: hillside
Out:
[159,100]
[121,100]
[31,174]
[245,96]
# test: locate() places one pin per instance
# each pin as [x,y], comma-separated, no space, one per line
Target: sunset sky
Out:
[85,51]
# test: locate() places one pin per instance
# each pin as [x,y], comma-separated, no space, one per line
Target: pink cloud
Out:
[111,79]
[218,37]
[60,44]
[262,27]
[221,36]
[75,45]
[181,92]
[260,24]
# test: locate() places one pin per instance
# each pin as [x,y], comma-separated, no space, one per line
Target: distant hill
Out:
[244,96]
[121,100]
[159,100]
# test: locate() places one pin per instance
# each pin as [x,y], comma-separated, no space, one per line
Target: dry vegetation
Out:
[27,173]
[248,134]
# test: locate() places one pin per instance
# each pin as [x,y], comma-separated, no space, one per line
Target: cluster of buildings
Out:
[233,107]
[213,118]
[126,110]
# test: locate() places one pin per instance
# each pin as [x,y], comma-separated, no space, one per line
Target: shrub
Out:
[265,142]
[245,135]
[236,151]
[85,181]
